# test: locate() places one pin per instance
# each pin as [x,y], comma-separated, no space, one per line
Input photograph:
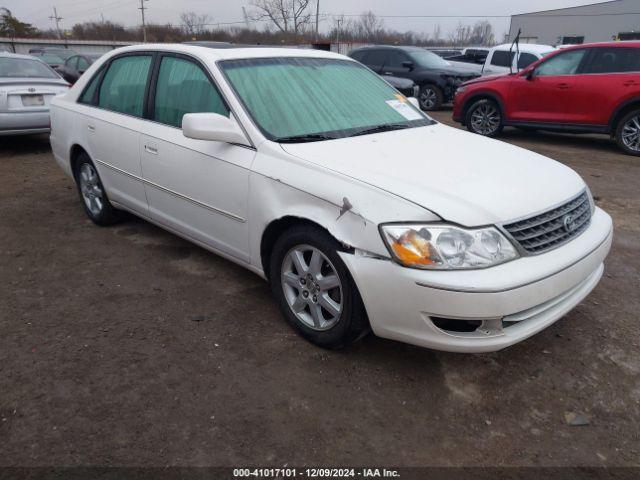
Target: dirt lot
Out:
[130,346]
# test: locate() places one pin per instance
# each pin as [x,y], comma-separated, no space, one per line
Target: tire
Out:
[93,195]
[430,98]
[305,272]
[628,133]
[484,117]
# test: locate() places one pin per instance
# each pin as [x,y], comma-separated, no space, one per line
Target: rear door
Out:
[611,76]
[196,187]
[395,64]
[376,59]
[545,95]
[111,120]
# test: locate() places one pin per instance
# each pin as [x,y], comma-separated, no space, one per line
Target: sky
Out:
[37,12]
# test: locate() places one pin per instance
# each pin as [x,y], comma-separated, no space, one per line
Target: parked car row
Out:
[580,89]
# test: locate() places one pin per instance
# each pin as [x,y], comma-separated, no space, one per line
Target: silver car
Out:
[27,86]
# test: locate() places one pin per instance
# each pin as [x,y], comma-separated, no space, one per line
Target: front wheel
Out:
[314,289]
[430,97]
[484,118]
[628,133]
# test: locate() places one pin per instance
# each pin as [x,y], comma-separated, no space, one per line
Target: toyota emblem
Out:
[569,223]
[31,89]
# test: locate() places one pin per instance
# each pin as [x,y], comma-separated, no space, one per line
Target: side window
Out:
[358,56]
[90,90]
[395,59]
[71,62]
[502,58]
[614,60]
[526,59]
[566,63]
[82,63]
[184,88]
[124,84]
[377,57]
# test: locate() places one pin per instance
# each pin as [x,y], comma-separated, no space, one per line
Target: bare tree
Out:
[193,23]
[437,33]
[369,26]
[482,33]
[288,16]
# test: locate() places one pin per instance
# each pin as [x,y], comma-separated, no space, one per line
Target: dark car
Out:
[405,86]
[436,78]
[55,61]
[76,65]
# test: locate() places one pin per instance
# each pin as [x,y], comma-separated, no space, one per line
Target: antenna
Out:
[57,19]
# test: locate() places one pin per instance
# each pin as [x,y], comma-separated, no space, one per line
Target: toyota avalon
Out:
[361,211]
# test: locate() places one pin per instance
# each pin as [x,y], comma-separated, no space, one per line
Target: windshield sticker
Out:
[405,109]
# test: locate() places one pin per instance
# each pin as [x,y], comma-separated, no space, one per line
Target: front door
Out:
[545,95]
[196,187]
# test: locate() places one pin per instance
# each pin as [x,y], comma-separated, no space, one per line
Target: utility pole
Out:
[339,22]
[57,19]
[317,16]
[142,8]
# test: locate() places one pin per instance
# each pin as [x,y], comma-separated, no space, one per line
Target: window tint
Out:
[395,59]
[526,59]
[376,57]
[82,63]
[566,63]
[124,85]
[87,96]
[502,58]
[358,56]
[614,60]
[71,62]
[184,88]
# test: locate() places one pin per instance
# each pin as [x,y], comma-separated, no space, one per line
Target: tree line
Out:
[268,22]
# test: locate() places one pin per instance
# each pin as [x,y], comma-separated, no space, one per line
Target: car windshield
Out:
[428,59]
[312,99]
[23,67]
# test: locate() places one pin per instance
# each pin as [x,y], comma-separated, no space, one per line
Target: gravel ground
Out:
[129,346]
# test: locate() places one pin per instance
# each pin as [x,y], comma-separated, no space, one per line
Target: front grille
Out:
[551,229]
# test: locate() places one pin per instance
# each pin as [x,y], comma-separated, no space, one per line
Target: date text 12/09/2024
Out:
[315,473]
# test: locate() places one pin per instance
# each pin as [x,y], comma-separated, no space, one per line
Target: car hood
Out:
[461,177]
[453,71]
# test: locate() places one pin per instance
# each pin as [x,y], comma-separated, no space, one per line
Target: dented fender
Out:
[282,185]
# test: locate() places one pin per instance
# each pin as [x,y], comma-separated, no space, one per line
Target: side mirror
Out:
[212,127]
[414,101]
[529,75]
[408,65]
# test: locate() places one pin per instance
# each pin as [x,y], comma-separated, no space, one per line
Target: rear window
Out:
[25,68]
[526,59]
[614,60]
[502,58]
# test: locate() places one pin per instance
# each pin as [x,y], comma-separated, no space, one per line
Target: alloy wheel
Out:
[631,134]
[485,119]
[428,98]
[312,287]
[91,189]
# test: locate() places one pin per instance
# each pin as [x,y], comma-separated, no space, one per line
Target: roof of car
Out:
[624,43]
[526,47]
[17,55]
[215,54]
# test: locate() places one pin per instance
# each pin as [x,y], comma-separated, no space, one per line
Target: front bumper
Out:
[23,123]
[512,301]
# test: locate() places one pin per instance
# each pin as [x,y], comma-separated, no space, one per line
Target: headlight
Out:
[447,247]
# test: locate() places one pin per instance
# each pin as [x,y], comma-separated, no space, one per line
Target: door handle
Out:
[630,83]
[91,128]
[151,150]
[564,86]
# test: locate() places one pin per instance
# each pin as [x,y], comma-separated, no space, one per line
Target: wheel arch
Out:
[277,227]
[482,95]
[74,154]
[623,109]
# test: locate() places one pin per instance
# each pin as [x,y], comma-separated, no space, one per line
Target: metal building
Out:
[597,22]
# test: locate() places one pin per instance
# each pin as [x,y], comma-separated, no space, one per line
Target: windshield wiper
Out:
[311,137]
[381,128]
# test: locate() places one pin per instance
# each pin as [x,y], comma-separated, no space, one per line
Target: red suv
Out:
[583,89]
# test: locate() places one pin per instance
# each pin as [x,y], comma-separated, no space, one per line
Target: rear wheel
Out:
[430,97]
[92,194]
[314,289]
[628,133]
[484,118]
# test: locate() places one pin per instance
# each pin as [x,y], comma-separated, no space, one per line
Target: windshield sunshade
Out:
[316,99]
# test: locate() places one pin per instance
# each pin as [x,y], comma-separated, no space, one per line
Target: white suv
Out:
[311,171]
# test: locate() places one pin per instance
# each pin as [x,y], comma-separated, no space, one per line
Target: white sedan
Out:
[27,86]
[311,171]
